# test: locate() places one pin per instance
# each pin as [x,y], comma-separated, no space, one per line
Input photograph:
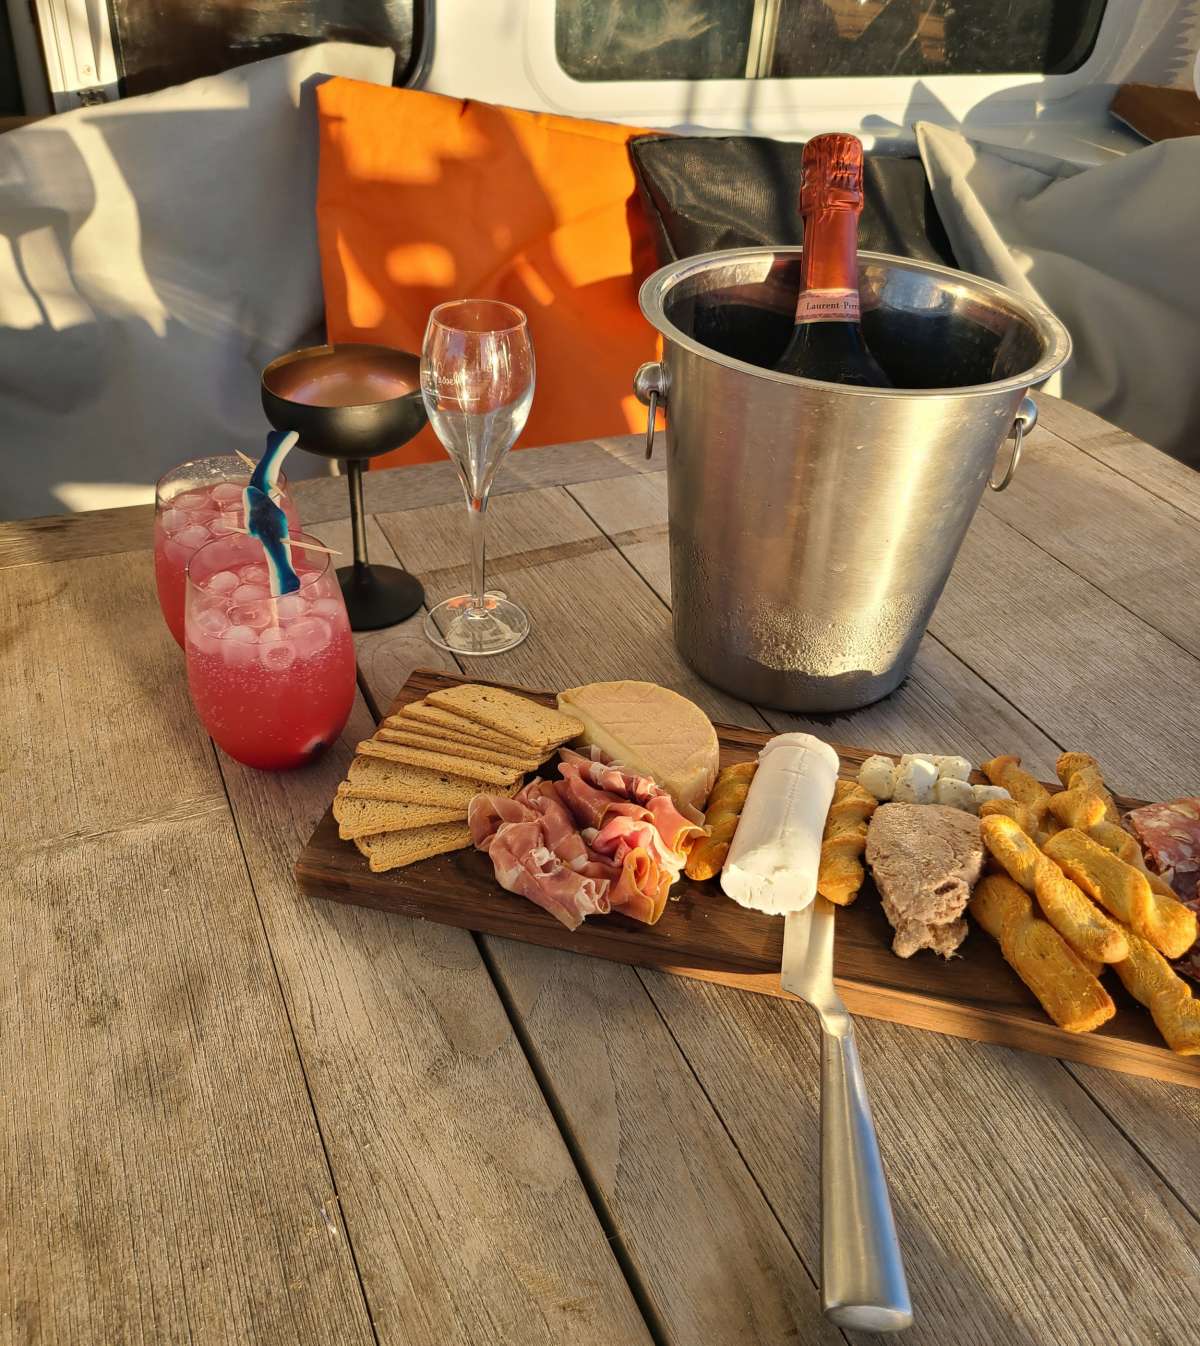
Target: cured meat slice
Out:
[1170,837]
[601,838]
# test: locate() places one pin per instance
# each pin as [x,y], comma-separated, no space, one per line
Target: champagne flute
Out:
[477,376]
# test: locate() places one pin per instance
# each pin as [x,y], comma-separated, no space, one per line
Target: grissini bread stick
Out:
[1078,769]
[1124,891]
[1168,924]
[1149,978]
[1078,807]
[1021,814]
[1092,934]
[1024,788]
[841,872]
[1126,845]
[1172,927]
[1065,986]
[725,806]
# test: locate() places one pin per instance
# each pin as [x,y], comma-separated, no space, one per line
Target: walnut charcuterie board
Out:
[703,934]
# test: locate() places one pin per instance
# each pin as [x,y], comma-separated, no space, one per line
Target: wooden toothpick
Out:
[245,457]
[293,542]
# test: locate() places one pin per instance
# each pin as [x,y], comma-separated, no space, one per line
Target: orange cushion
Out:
[423,198]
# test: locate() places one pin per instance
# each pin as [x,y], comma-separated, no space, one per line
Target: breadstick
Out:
[1078,807]
[841,873]
[1023,787]
[1169,925]
[1078,769]
[724,812]
[1066,988]
[1148,977]
[1124,891]
[1021,814]
[1087,930]
[1172,926]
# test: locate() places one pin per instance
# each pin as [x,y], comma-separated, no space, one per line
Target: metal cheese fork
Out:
[862,1274]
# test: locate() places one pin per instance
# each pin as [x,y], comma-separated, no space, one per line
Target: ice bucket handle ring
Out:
[1027,414]
[650,388]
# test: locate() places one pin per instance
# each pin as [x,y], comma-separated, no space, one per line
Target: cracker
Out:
[476,752]
[488,773]
[373,777]
[364,817]
[430,717]
[509,714]
[390,850]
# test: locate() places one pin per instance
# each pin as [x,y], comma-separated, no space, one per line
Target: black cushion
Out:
[703,193]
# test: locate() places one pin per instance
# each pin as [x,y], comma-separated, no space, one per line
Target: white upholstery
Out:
[1114,251]
[154,254]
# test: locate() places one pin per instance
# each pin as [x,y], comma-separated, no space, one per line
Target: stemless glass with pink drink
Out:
[272,679]
[194,503]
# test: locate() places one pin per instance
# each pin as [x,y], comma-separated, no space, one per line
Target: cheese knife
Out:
[862,1273]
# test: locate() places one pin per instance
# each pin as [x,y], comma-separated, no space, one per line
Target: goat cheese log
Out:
[776,851]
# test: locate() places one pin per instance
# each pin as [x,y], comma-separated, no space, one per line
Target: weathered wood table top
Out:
[232,1114]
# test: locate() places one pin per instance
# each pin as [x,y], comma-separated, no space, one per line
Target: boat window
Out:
[809,39]
[164,42]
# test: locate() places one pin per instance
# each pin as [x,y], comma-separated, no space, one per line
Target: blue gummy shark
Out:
[264,519]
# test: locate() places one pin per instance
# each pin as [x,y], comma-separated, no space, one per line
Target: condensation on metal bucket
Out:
[813,525]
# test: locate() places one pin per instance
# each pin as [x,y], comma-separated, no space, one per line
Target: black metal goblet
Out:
[353,402]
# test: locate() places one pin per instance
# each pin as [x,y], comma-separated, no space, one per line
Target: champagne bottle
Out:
[827,342]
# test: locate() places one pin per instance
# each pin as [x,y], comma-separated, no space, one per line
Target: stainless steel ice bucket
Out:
[813,525]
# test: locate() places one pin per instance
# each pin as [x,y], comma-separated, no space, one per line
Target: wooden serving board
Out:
[703,934]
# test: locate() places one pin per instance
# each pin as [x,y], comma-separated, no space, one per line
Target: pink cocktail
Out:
[194,503]
[272,679]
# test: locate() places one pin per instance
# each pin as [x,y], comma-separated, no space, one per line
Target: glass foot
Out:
[456,625]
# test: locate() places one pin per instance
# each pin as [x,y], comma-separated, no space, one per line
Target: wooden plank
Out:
[161,1174]
[393,490]
[1153,471]
[631,450]
[1135,548]
[468,1219]
[702,934]
[716,1265]
[1091,674]
[706,1251]
[98,728]
[63,537]
[1002,1173]
[1160,1120]
[548,556]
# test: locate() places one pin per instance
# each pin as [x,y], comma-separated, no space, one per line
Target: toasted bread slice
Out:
[431,717]
[476,752]
[486,772]
[390,850]
[379,778]
[508,713]
[364,817]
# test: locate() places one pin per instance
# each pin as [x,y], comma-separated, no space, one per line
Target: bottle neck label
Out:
[838,305]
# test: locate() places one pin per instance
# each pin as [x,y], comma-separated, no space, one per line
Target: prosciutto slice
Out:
[601,838]
[515,837]
[1170,836]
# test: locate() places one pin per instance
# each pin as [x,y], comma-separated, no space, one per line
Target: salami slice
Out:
[1170,837]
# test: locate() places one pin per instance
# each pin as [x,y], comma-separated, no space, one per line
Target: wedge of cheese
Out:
[651,729]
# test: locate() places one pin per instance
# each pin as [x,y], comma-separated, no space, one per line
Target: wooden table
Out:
[234,1114]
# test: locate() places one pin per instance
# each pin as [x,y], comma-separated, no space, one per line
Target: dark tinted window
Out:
[653,39]
[164,42]
[722,39]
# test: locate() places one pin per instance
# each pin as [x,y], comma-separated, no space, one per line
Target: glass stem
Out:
[476,505]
